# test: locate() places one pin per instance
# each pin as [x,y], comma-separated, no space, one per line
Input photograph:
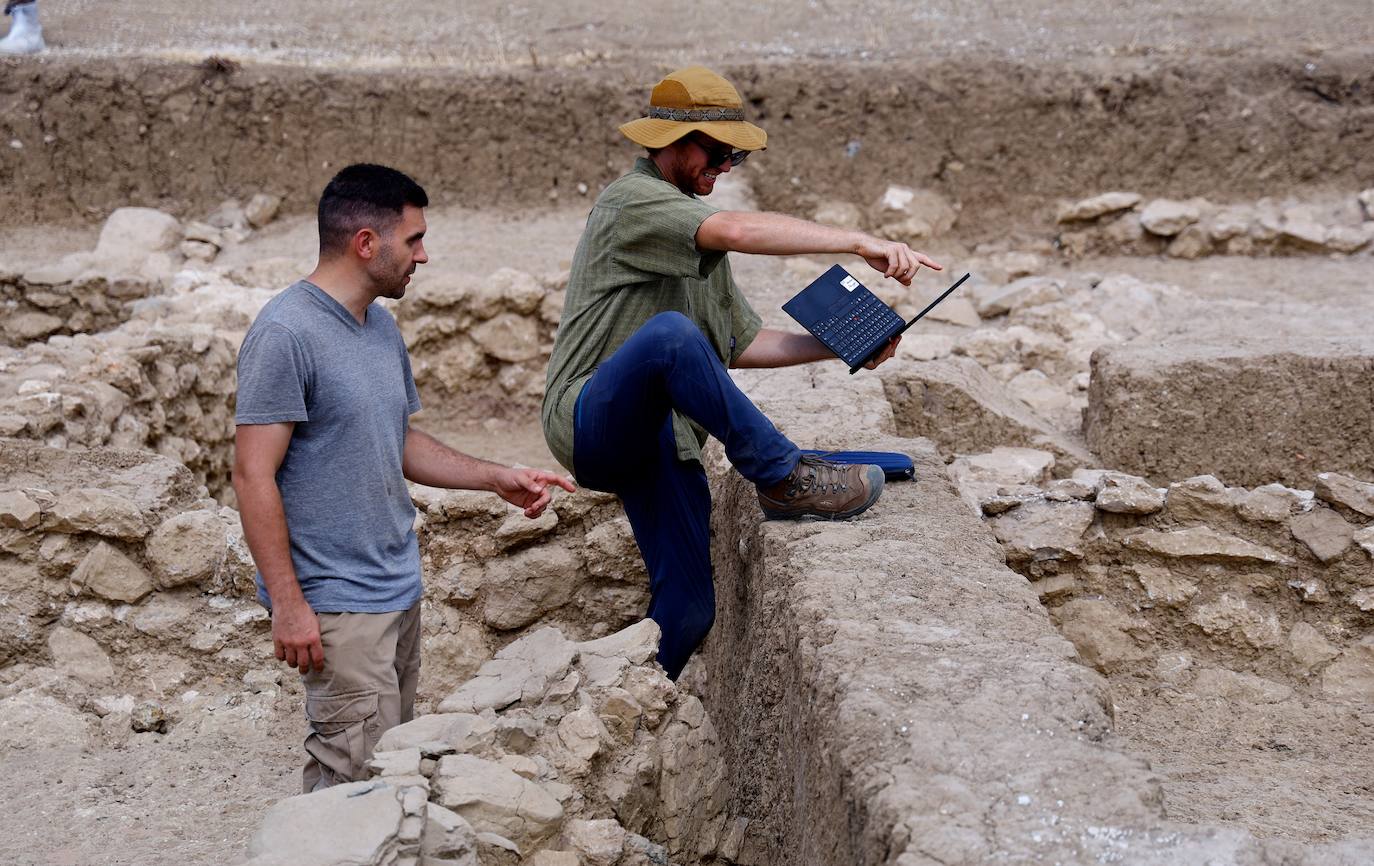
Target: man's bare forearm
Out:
[264,528]
[432,463]
[774,234]
[772,348]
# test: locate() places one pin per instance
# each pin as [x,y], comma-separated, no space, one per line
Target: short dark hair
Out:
[364,196]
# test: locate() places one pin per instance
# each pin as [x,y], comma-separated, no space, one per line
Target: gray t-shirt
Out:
[349,390]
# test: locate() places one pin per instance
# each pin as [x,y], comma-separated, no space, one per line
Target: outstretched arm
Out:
[428,461]
[779,235]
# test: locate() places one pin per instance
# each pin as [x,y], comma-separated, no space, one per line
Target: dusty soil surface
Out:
[489,33]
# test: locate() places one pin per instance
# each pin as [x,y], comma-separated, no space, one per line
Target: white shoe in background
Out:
[26,34]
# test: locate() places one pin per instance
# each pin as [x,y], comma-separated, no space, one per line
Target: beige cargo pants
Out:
[371,668]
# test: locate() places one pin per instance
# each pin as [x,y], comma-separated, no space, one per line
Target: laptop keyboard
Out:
[857,329]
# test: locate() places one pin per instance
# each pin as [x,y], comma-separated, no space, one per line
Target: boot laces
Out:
[815,474]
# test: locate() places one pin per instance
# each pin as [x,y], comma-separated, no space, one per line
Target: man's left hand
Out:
[530,489]
[888,351]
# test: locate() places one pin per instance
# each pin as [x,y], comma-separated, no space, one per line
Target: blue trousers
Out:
[623,443]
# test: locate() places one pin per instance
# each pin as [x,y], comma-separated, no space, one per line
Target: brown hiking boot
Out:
[822,489]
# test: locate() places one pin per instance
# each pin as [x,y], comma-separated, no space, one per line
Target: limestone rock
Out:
[1351,676]
[1272,503]
[1324,532]
[356,822]
[464,732]
[521,588]
[109,574]
[1201,542]
[131,233]
[1191,243]
[1100,632]
[1308,647]
[612,552]
[27,327]
[1201,498]
[1097,206]
[1017,295]
[523,671]
[18,511]
[519,291]
[1366,199]
[1349,239]
[186,548]
[261,209]
[77,655]
[605,659]
[99,512]
[1164,587]
[1243,621]
[149,717]
[912,215]
[1365,539]
[554,858]
[494,799]
[600,842]
[1043,531]
[581,733]
[30,720]
[448,838]
[1128,494]
[1167,218]
[843,214]
[509,337]
[1337,489]
[1039,392]
[517,528]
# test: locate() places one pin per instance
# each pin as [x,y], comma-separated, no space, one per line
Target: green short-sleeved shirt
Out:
[638,257]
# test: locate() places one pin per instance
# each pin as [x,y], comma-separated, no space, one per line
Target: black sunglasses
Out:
[716,156]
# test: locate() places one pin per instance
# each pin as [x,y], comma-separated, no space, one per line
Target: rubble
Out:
[612,761]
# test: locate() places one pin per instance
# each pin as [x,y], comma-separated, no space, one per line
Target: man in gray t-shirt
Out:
[323,450]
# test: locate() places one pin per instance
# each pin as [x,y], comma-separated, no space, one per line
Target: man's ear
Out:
[365,244]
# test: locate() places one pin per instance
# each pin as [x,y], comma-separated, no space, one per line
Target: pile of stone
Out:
[1021,377]
[118,574]
[1266,585]
[117,570]
[1122,222]
[491,573]
[231,223]
[167,388]
[490,337]
[556,754]
[902,213]
[92,291]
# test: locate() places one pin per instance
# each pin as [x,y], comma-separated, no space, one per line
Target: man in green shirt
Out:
[638,376]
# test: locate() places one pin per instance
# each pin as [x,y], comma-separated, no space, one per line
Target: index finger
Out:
[317,654]
[929,262]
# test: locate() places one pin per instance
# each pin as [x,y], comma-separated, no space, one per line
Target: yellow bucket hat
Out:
[692,99]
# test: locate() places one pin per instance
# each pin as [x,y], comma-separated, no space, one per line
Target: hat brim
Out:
[655,133]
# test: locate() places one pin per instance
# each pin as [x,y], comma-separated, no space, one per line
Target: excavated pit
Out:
[886,691]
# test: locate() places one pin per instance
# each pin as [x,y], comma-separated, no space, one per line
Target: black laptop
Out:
[848,318]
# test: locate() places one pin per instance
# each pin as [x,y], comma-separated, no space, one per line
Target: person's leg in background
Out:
[26,34]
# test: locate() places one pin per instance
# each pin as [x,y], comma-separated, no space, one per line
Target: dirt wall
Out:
[998,137]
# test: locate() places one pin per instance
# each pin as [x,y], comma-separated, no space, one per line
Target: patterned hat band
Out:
[696,114]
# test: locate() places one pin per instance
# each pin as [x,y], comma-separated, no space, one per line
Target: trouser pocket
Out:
[344,728]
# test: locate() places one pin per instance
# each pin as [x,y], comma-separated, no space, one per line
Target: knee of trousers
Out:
[673,330]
